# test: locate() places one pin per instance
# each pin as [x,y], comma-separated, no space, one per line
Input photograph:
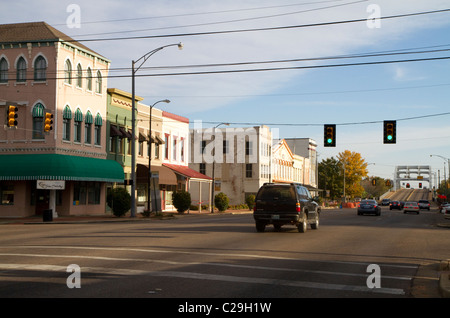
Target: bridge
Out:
[410,195]
[411,173]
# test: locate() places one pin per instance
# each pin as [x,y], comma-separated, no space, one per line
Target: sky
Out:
[312,88]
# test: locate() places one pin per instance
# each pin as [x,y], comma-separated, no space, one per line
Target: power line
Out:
[321,124]
[258,29]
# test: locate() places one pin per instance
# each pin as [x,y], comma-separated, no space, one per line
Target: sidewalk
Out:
[79,219]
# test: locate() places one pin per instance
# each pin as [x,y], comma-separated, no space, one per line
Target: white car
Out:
[446,208]
[411,207]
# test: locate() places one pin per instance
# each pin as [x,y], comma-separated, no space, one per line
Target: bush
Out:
[119,200]
[250,200]
[181,201]
[221,201]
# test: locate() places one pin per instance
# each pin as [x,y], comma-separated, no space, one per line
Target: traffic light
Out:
[389,132]
[329,136]
[420,185]
[11,117]
[48,122]
[374,182]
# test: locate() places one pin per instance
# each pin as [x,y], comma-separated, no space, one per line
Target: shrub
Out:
[250,200]
[181,201]
[119,200]
[221,201]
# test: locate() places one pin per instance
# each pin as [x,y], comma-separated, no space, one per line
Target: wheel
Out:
[302,226]
[315,225]
[260,227]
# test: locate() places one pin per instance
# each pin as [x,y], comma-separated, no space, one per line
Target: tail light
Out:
[298,207]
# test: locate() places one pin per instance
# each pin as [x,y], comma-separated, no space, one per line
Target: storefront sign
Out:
[51,184]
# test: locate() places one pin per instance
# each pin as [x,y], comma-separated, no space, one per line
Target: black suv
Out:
[282,203]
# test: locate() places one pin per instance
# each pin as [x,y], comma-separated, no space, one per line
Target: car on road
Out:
[424,204]
[385,201]
[411,206]
[281,203]
[395,205]
[369,206]
[444,207]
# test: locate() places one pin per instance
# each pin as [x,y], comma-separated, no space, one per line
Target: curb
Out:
[444,278]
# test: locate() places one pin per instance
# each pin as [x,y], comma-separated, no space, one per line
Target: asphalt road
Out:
[394,255]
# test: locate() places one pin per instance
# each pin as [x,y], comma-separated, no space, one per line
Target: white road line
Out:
[201,276]
[204,263]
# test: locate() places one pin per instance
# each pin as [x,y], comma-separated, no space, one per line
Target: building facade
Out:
[43,72]
[238,159]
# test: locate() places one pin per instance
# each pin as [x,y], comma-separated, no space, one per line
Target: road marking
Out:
[205,253]
[206,264]
[202,276]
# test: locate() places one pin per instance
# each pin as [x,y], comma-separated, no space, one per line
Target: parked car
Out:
[443,206]
[395,205]
[279,204]
[369,206]
[411,207]
[424,204]
[385,201]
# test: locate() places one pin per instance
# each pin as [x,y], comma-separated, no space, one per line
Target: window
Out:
[203,146]
[67,118]
[77,125]
[6,194]
[88,128]
[68,72]
[98,83]
[248,148]
[202,168]
[40,69]
[93,193]
[248,170]
[79,75]
[79,193]
[38,121]
[174,149]
[226,144]
[3,70]
[89,79]
[21,70]
[166,147]
[182,150]
[98,130]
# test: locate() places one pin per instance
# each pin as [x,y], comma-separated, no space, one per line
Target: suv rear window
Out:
[281,193]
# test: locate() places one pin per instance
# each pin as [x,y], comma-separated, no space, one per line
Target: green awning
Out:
[59,167]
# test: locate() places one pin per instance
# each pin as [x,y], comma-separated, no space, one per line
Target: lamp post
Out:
[134,69]
[213,167]
[445,177]
[150,151]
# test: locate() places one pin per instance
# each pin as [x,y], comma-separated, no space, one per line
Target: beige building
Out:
[238,158]
[43,71]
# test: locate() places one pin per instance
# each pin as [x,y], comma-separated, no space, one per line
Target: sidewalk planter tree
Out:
[181,201]
[250,200]
[221,201]
[119,201]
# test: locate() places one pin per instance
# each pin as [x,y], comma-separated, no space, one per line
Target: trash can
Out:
[47,216]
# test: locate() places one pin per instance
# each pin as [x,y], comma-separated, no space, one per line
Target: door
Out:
[42,201]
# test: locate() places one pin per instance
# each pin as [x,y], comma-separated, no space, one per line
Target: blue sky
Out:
[336,95]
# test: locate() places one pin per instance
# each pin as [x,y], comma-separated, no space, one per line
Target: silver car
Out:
[411,207]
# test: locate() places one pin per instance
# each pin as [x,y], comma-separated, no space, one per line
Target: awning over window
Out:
[187,172]
[59,167]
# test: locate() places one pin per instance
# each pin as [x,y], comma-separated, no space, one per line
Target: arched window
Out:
[89,79]
[98,83]
[38,121]
[21,70]
[88,120]
[68,72]
[98,129]
[67,118]
[3,70]
[79,75]
[77,125]
[40,69]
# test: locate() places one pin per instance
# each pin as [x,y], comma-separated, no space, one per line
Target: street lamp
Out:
[445,177]
[213,167]
[150,151]
[133,121]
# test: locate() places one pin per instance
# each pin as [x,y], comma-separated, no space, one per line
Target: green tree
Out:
[221,201]
[181,201]
[330,177]
[119,200]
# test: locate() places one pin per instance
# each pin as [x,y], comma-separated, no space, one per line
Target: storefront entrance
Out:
[42,201]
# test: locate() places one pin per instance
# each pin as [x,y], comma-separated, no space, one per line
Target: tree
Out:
[221,201]
[355,168]
[181,201]
[330,178]
[119,200]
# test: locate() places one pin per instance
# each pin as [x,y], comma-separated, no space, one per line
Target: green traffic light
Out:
[329,140]
[389,137]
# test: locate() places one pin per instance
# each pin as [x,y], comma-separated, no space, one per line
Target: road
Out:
[222,256]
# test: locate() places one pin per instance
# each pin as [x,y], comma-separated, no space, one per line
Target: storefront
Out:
[68,185]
